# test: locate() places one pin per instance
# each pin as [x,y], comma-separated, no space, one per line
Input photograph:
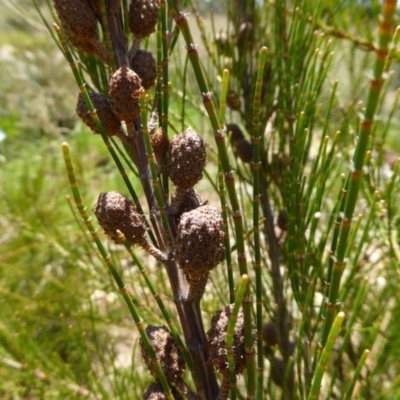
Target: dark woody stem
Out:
[189,311]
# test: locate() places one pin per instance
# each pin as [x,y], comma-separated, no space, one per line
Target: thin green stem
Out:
[106,139]
[349,392]
[256,139]
[355,174]
[325,357]
[163,309]
[240,293]
[143,101]
[222,190]
[113,270]
[220,138]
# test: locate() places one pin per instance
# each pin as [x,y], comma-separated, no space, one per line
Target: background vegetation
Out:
[64,331]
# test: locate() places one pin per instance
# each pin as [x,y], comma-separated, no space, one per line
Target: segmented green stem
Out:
[222,99]
[163,309]
[355,174]
[228,252]
[165,87]
[143,102]
[113,270]
[158,92]
[106,139]
[164,64]
[357,373]
[222,190]
[240,294]
[393,49]
[355,312]
[220,139]
[256,139]
[325,357]
[106,31]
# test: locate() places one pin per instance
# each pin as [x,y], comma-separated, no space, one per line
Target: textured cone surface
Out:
[160,145]
[167,351]
[145,66]
[155,392]
[115,211]
[186,159]
[78,20]
[216,345]
[200,240]
[110,122]
[143,15]
[123,89]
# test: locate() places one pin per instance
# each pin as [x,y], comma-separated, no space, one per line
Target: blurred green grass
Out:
[48,271]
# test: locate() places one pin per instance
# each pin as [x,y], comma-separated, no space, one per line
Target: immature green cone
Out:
[186,159]
[167,352]
[143,15]
[144,64]
[200,240]
[123,88]
[114,211]
[108,119]
[216,345]
[79,22]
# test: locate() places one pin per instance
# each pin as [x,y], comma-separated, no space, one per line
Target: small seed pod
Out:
[79,22]
[200,241]
[143,15]
[167,352]
[144,64]
[110,122]
[216,345]
[186,159]
[114,211]
[123,88]
[160,144]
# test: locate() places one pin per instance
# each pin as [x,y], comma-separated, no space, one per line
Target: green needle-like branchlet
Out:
[349,392]
[353,182]
[240,293]
[160,304]
[143,101]
[325,357]
[220,139]
[106,139]
[256,140]
[113,270]
[228,252]
[222,189]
